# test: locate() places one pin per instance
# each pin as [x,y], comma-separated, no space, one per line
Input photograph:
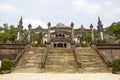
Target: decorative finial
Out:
[72,24]
[29,26]
[91,26]
[99,21]
[81,27]
[21,20]
[49,24]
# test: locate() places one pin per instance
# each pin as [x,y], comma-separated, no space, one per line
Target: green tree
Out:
[86,37]
[114,30]
[116,64]
[12,33]
[7,33]
[6,64]
[40,39]
[34,36]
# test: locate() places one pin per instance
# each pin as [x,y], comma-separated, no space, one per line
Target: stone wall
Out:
[9,53]
[110,54]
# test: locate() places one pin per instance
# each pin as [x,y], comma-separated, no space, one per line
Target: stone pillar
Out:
[29,32]
[92,33]
[72,30]
[49,25]
[20,29]
[100,31]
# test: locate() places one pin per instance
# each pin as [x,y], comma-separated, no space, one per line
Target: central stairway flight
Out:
[60,61]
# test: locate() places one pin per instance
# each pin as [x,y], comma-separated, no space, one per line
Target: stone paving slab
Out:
[37,76]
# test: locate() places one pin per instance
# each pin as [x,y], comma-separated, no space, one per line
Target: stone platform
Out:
[37,76]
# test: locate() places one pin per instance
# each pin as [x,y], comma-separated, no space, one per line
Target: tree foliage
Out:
[114,29]
[116,64]
[86,37]
[6,64]
[7,33]
[40,39]
[37,39]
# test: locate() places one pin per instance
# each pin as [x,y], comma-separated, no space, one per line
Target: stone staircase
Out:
[60,60]
[90,61]
[31,61]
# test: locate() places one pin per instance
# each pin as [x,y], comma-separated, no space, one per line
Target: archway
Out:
[65,45]
[54,45]
[60,45]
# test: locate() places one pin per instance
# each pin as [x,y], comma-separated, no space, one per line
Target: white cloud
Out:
[7,8]
[109,3]
[34,23]
[86,7]
[115,11]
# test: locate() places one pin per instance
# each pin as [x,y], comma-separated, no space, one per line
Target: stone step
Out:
[31,60]
[51,54]
[28,70]
[60,61]
[91,61]
[93,65]
[49,70]
[87,54]
[60,66]
[95,69]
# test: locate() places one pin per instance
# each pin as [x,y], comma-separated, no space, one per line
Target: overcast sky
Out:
[40,12]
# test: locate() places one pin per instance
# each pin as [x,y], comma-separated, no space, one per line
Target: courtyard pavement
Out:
[37,76]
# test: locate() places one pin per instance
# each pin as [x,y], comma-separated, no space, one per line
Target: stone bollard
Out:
[0,65]
[42,70]
[79,66]
[80,70]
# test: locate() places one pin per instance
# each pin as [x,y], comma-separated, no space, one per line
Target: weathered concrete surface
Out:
[31,61]
[90,60]
[110,54]
[9,53]
[36,76]
[60,61]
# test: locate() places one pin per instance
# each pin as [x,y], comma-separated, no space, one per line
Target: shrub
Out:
[6,64]
[116,64]
[34,43]
[85,44]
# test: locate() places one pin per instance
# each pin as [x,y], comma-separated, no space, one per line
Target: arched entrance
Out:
[65,45]
[54,45]
[60,45]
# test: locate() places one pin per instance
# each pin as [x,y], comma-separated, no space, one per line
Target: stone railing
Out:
[107,46]
[12,46]
[102,56]
[21,47]
[43,64]
[76,60]
[96,47]
[18,57]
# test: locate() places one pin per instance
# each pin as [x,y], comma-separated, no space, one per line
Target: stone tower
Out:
[20,29]
[72,30]
[92,33]
[29,32]
[100,31]
[49,26]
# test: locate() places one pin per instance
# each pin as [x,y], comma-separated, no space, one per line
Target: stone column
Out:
[100,31]
[20,29]
[29,32]
[72,30]
[49,26]
[92,33]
